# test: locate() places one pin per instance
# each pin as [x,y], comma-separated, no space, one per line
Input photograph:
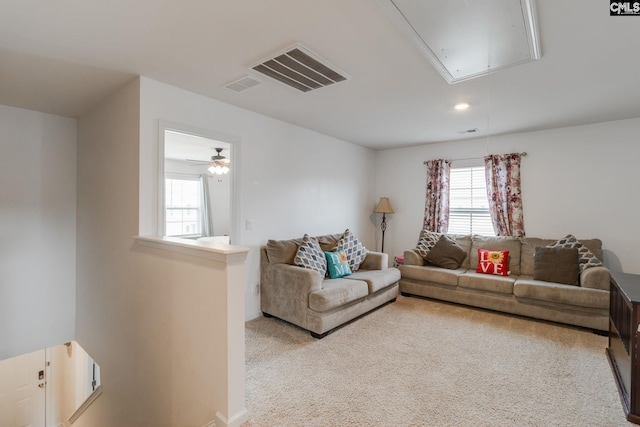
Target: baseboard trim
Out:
[235,421]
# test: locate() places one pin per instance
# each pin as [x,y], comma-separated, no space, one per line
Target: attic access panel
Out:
[464,39]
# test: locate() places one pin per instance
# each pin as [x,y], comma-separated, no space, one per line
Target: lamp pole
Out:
[383,207]
[383,227]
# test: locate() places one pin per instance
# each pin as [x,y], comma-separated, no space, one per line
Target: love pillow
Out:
[493,262]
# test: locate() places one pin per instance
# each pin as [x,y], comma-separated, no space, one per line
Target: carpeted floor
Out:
[418,362]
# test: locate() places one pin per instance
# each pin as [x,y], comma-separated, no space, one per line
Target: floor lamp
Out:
[384,207]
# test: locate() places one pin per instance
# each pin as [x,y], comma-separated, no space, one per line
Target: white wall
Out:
[37,230]
[290,180]
[581,180]
[149,318]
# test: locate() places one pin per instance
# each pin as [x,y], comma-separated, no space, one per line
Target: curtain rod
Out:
[523,154]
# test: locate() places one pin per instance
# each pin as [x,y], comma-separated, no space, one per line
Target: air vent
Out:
[243,84]
[299,68]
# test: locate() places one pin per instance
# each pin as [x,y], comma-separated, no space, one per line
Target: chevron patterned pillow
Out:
[310,255]
[586,258]
[356,252]
[426,241]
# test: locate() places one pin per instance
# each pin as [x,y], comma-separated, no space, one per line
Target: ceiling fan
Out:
[218,165]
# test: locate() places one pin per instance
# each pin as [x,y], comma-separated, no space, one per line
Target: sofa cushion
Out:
[485,282]
[356,252]
[558,265]
[426,241]
[377,279]
[431,274]
[282,251]
[586,257]
[528,252]
[328,243]
[464,241]
[337,264]
[336,293]
[309,255]
[497,243]
[493,262]
[446,254]
[527,287]
[529,245]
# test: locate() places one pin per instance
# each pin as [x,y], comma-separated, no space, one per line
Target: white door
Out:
[22,391]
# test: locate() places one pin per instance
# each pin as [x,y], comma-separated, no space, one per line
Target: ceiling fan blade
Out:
[204,162]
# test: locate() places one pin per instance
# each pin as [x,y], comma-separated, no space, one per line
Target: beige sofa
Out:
[318,304]
[586,305]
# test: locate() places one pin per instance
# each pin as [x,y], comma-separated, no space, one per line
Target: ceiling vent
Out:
[299,68]
[243,84]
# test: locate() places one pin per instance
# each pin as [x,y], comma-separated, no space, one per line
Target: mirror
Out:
[195,191]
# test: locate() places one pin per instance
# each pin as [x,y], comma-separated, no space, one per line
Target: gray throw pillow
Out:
[558,264]
[446,254]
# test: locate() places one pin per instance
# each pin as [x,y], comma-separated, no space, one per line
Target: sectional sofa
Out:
[583,303]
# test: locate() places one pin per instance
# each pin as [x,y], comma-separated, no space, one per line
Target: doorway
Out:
[47,387]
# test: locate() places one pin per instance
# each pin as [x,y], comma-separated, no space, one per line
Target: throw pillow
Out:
[356,252]
[493,262]
[446,254]
[426,241]
[310,255]
[586,258]
[337,264]
[558,265]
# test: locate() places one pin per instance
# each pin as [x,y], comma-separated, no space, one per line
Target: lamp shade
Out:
[384,206]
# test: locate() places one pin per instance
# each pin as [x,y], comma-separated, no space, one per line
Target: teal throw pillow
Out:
[337,264]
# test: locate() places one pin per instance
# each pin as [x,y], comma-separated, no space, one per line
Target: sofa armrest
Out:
[412,258]
[293,278]
[595,278]
[375,261]
[285,291]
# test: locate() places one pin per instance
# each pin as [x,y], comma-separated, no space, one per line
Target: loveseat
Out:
[527,289]
[311,300]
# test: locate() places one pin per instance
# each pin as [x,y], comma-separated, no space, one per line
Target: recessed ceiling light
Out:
[461,106]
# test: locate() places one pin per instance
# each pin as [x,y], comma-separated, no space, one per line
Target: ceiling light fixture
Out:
[461,106]
[219,164]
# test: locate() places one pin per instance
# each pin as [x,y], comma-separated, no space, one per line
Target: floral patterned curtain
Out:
[436,209]
[503,190]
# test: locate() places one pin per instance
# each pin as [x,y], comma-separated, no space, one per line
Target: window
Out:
[183,206]
[468,204]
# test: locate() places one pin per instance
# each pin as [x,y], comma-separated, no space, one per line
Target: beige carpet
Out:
[418,362]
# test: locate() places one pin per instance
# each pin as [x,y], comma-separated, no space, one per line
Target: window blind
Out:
[468,204]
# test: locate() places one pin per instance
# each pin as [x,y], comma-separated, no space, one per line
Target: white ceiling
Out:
[63,56]
[184,146]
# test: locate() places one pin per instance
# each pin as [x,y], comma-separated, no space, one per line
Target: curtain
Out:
[436,209]
[206,223]
[503,190]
